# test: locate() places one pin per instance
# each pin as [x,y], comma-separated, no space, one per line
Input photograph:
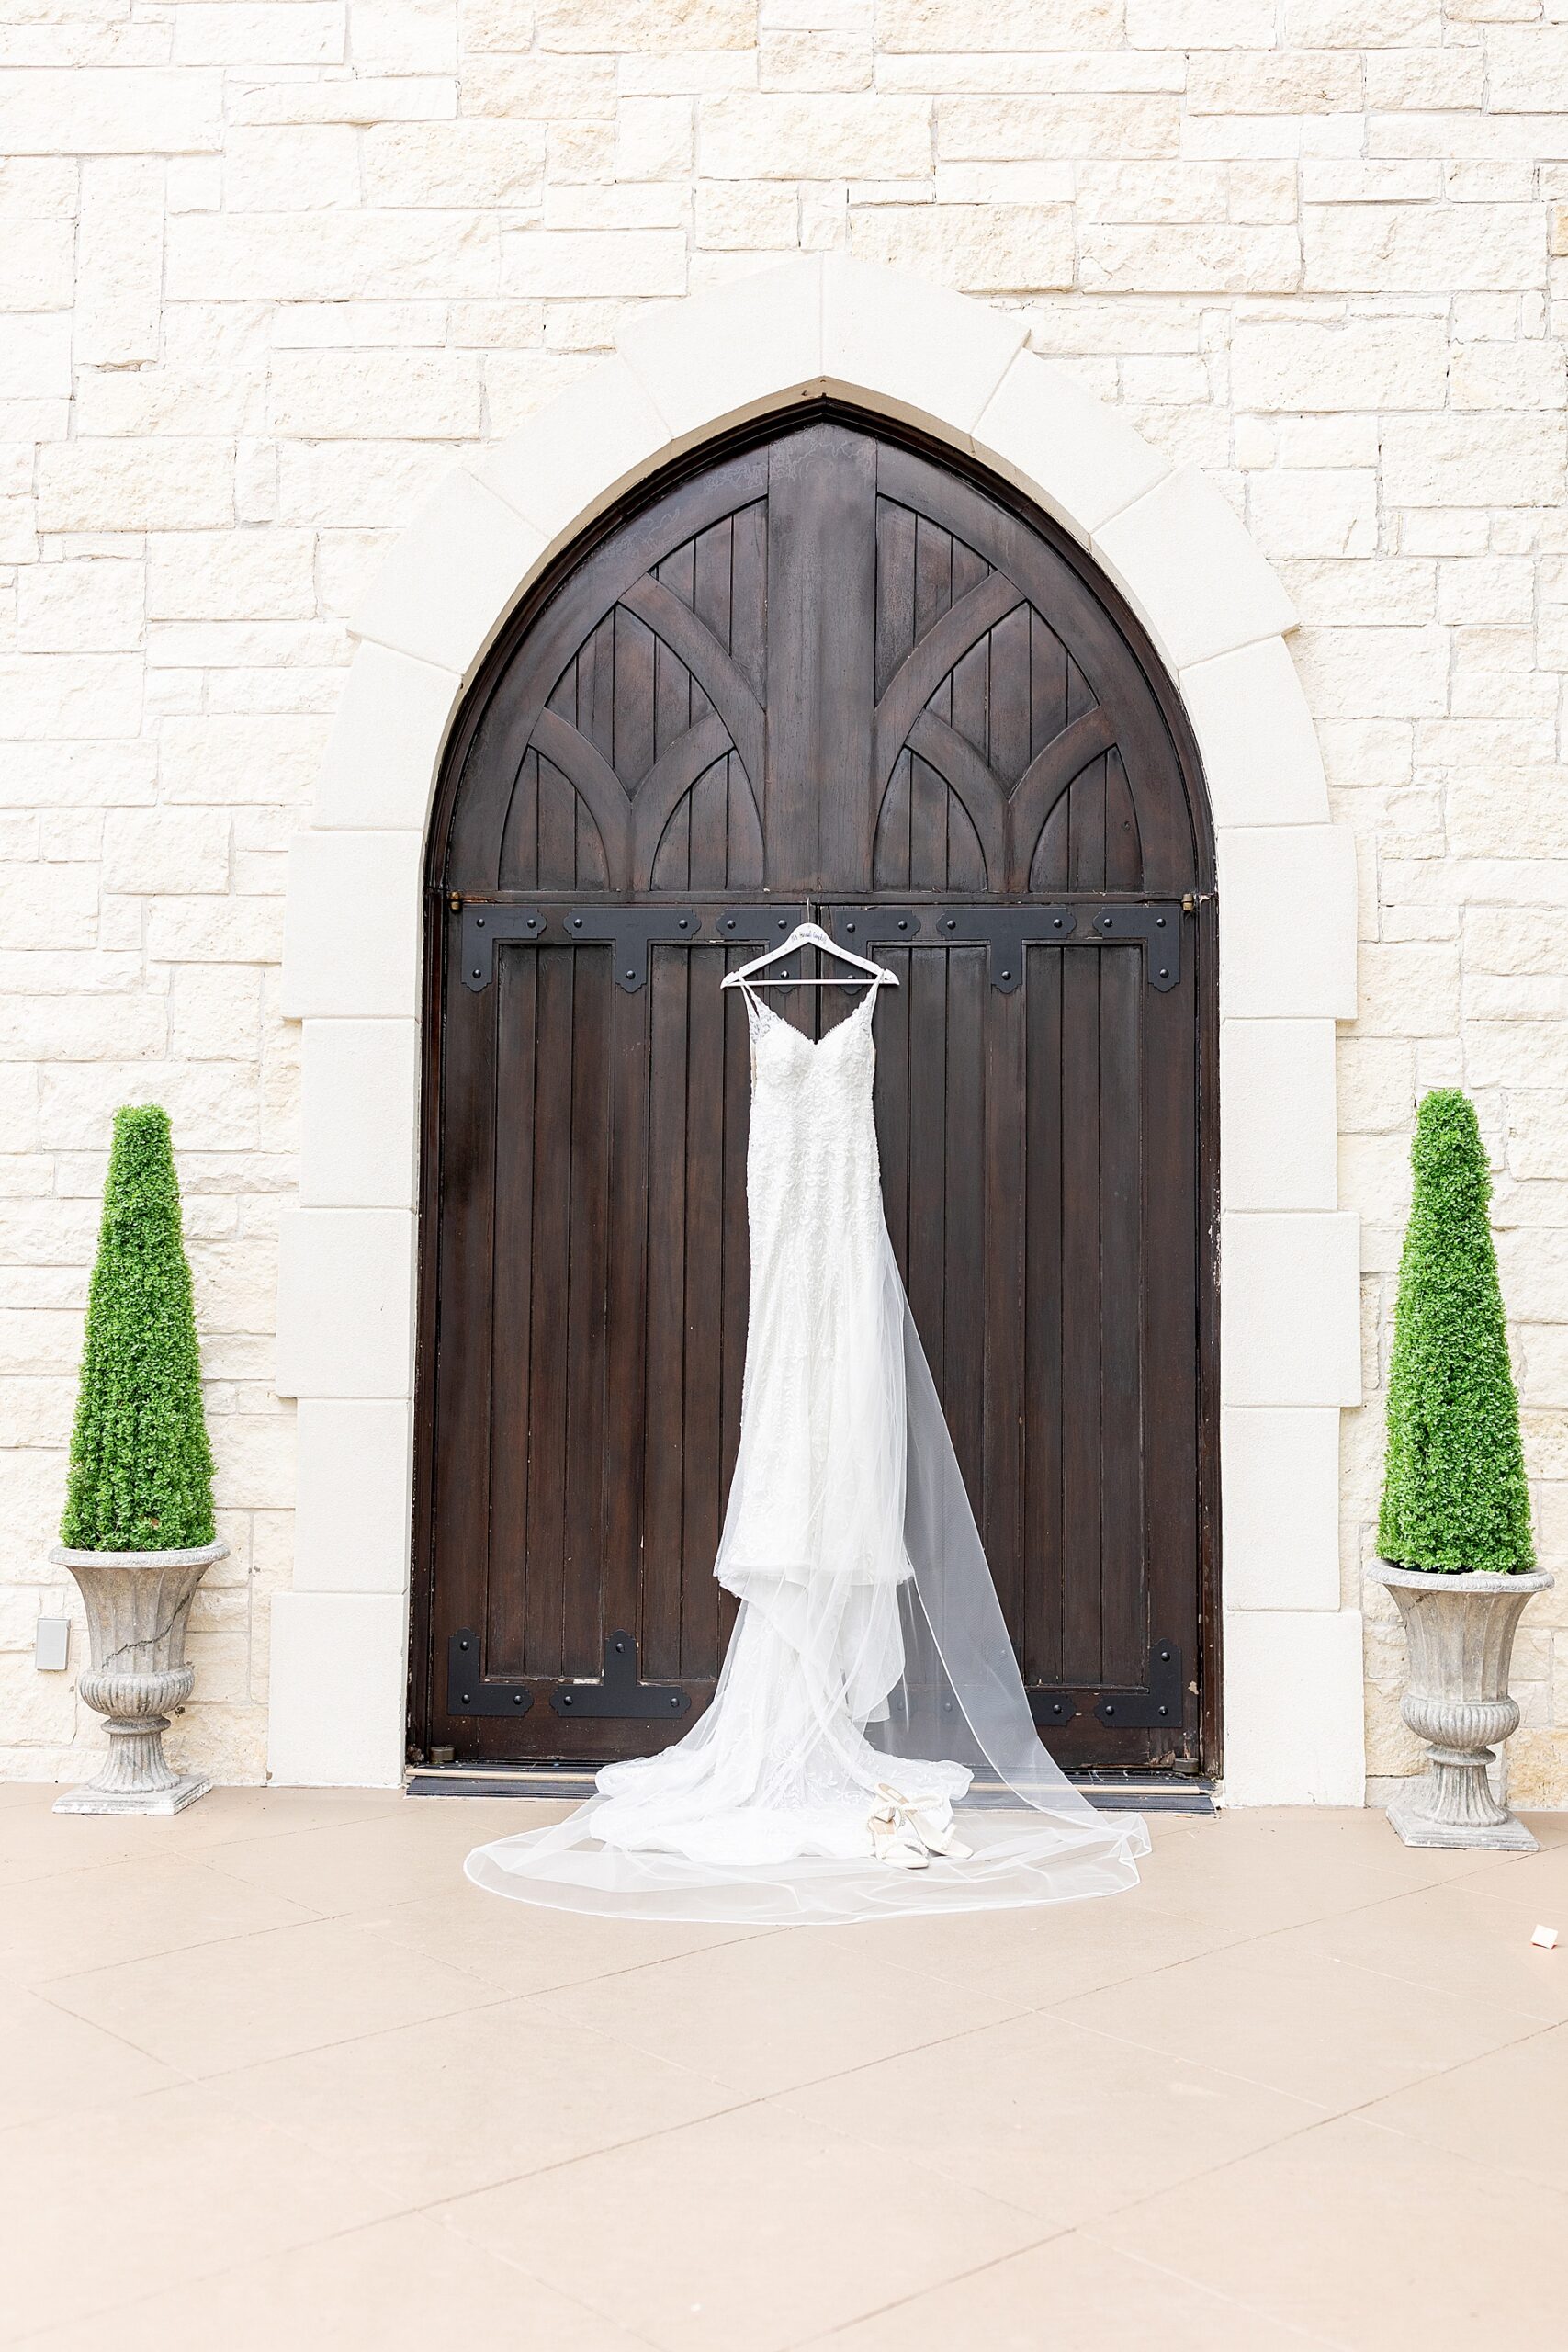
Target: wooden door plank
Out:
[583,1543]
[511,1283]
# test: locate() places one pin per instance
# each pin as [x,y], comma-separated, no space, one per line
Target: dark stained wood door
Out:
[823,671]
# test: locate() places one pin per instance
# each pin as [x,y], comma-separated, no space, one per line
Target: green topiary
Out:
[1454,1492]
[141,1465]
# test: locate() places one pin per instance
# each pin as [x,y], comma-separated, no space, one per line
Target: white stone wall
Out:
[271,266]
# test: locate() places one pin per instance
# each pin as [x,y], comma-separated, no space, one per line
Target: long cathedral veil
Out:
[891,1691]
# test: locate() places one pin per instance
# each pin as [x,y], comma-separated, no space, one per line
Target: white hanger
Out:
[811,934]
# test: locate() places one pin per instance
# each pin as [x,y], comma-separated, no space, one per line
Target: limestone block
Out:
[120,258]
[1374,672]
[35,360]
[44,695]
[35,1707]
[1315,512]
[1184,259]
[1509,376]
[658,25]
[1253,81]
[1053,127]
[1407,988]
[268,758]
[771,135]
[1277,965]
[1277,1114]
[732,352]
[653,139]
[110,110]
[330,256]
[1042,431]
[1261,761]
[51,907]
[574,456]
[1363,248]
[211,1105]
[253,1457]
[943,26]
[1528,68]
[1376,1085]
[734,216]
[353,1497]
[36,267]
[539,88]
[345,1303]
[278,32]
[215,1011]
[91,605]
[1427,80]
[359,1113]
[470,162]
[399,37]
[585,262]
[1289,1327]
[356,486]
[135,485]
[85,1028]
[148,851]
[40,188]
[1279,1490]
[1293,1707]
[1201,24]
[290,167]
[1505,460]
[1182,557]
[981,249]
[330,1728]
[452,577]
[1538,1136]
[342,958]
[425,395]
[263,574]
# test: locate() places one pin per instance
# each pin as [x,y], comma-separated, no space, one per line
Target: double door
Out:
[821,676]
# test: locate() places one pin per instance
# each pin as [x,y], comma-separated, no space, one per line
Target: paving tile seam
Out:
[1445,1991]
[111,2033]
[299,2246]
[1494,2163]
[1219,2295]
[307,2050]
[902,2302]
[1326,2114]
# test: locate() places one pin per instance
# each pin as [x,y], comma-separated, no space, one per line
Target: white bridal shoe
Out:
[907,1838]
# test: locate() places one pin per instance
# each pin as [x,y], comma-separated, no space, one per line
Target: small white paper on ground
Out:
[1546,1937]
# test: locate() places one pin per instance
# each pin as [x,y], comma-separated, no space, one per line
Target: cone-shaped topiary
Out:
[141,1465]
[1454,1492]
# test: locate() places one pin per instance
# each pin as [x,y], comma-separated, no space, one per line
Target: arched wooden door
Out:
[823,670]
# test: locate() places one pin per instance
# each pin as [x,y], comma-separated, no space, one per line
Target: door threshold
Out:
[570,1784]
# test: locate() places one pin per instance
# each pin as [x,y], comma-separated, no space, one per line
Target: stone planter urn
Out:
[138,1605]
[1461,1631]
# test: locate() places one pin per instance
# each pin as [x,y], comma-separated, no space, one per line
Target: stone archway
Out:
[355,940]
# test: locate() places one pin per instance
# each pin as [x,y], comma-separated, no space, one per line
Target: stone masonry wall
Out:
[271,264]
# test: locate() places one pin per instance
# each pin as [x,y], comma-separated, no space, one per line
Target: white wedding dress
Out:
[869,1747]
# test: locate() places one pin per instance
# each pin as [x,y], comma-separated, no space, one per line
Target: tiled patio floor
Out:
[272,2075]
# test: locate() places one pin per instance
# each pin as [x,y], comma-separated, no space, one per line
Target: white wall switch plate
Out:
[51,1645]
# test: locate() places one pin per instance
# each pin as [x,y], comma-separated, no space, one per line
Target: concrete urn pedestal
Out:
[1460,1632]
[138,1604]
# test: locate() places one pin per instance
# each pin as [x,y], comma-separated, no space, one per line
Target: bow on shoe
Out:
[901,1834]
